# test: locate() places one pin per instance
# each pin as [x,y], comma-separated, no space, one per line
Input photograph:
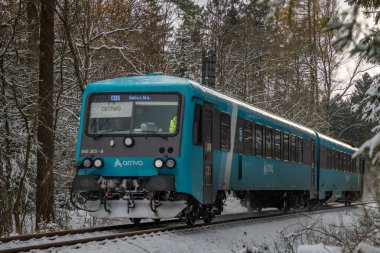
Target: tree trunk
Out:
[5,166]
[45,153]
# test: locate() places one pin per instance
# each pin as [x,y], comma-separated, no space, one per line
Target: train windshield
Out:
[137,114]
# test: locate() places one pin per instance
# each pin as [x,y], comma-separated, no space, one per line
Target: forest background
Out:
[284,57]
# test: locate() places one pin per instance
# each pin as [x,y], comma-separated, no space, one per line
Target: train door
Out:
[207,153]
[312,182]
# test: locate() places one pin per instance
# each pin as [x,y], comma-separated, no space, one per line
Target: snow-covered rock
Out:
[318,248]
[249,249]
[366,248]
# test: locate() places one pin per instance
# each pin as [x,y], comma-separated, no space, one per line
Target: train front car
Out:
[129,148]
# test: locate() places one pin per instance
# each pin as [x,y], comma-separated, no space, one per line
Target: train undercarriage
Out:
[155,198]
[288,200]
[136,198]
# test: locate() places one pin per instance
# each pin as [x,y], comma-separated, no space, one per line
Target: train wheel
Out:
[347,203]
[190,221]
[207,218]
[312,205]
[285,206]
[135,220]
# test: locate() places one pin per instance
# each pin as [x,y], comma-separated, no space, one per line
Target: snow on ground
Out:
[319,248]
[232,205]
[242,237]
[222,238]
[365,248]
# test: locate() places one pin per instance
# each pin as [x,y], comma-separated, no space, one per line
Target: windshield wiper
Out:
[157,133]
[99,134]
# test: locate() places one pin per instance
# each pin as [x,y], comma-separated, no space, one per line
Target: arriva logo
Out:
[268,168]
[120,164]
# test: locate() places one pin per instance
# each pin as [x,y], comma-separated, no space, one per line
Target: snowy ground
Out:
[222,238]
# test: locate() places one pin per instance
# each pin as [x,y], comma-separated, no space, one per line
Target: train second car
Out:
[157,146]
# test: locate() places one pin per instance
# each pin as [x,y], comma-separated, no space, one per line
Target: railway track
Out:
[119,231]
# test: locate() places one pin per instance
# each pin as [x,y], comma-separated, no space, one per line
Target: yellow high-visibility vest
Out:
[173,125]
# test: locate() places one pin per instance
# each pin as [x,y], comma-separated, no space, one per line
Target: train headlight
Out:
[170,163]
[87,163]
[98,163]
[159,163]
[128,141]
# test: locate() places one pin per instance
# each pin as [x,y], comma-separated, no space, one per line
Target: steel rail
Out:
[251,216]
[82,231]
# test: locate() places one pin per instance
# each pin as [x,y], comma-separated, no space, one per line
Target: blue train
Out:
[156,146]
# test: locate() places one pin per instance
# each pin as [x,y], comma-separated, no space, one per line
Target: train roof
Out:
[335,143]
[157,79]
[147,79]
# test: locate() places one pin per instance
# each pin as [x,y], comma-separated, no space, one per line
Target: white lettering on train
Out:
[120,164]
[268,168]
[110,108]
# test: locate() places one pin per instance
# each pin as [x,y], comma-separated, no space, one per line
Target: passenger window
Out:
[350,163]
[346,166]
[299,148]
[292,148]
[340,161]
[225,134]
[286,147]
[216,130]
[253,138]
[268,142]
[330,160]
[239,136]
[344,162]
[277,144]
[208,126]
[259,140]
[197,125]
[247,137]
[362,166]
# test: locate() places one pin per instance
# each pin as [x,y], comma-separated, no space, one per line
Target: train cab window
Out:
[125,114]
[299,150]
[268,142]
[225,132]
[197,125]
[247,137]
[292,148]
[286,147]
[259,140]
[277,144]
